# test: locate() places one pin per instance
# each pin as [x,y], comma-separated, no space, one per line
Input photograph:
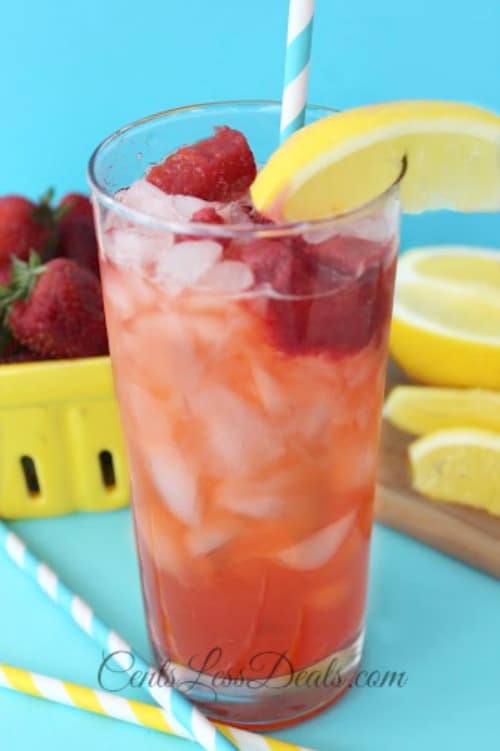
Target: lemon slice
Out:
[422,409]
[462,466]
[347,159]
[446,321]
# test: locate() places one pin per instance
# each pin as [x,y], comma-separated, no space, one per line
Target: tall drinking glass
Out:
[250,399]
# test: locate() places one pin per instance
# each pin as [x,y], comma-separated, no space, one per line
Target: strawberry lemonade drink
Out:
[249,359]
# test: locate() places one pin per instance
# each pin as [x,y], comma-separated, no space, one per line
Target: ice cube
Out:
[146,413]
[314,420]
[238,438]
[176,348]
[167,552]
[364,370]
[269,390]
[156,536]
[118,298]
[319,547]
[257,501]
[136,246]
[378,224]
[186,263]
[215,337]
[317,236]
[176,482]
[229,276]
[364,468]
[158,349]
[127,294]
[145,197]
[205,539]
[183,207]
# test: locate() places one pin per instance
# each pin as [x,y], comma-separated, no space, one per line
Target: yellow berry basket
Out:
[61,444]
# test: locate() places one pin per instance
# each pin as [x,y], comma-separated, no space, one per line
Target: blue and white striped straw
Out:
[185,720]
[298,53]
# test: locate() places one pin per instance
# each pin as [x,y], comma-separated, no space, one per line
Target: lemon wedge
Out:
[446,321]
[342,161]
[461,466]
[423,409]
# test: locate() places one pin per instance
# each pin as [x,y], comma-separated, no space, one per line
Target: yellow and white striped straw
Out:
[127,710]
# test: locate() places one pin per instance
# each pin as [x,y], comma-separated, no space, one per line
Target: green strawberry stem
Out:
[23,276]
[49,216]
[44,213]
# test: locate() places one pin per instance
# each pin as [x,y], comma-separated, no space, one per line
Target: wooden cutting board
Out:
[465,533]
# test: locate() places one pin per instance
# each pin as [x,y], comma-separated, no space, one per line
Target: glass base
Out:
[269,702]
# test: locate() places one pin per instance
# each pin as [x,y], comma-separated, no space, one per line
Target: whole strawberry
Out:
[55,309]
[25,226]
[77,238]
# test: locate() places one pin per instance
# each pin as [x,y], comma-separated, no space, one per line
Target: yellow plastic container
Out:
[61,444]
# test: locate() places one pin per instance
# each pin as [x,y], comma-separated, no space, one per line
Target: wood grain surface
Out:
[465,533]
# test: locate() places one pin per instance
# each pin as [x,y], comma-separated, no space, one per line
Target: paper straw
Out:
[182,716]
[298,54]
[111,705]
[185,720]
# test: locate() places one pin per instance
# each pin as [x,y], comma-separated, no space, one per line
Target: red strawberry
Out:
[344,317]
[78,205]
[56,309]
[346,253]
[24,226]
[345,296]
[335,313]
[270,260]
[219,168]
[206,215]
[77,238]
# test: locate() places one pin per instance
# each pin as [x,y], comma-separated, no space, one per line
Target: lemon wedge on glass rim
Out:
[333,165]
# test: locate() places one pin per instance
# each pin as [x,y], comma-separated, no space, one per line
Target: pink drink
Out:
[250,371]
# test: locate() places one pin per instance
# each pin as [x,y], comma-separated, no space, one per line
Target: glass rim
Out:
[203,229]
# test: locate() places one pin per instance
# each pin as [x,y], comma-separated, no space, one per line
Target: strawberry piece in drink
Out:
[333,311]
[206,215]
[337,307]
[270,260]
[347,254]
[219,168]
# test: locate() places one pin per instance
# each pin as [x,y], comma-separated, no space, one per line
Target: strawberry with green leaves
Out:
[54,309]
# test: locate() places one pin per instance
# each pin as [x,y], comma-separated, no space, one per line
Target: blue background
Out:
[72,73]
